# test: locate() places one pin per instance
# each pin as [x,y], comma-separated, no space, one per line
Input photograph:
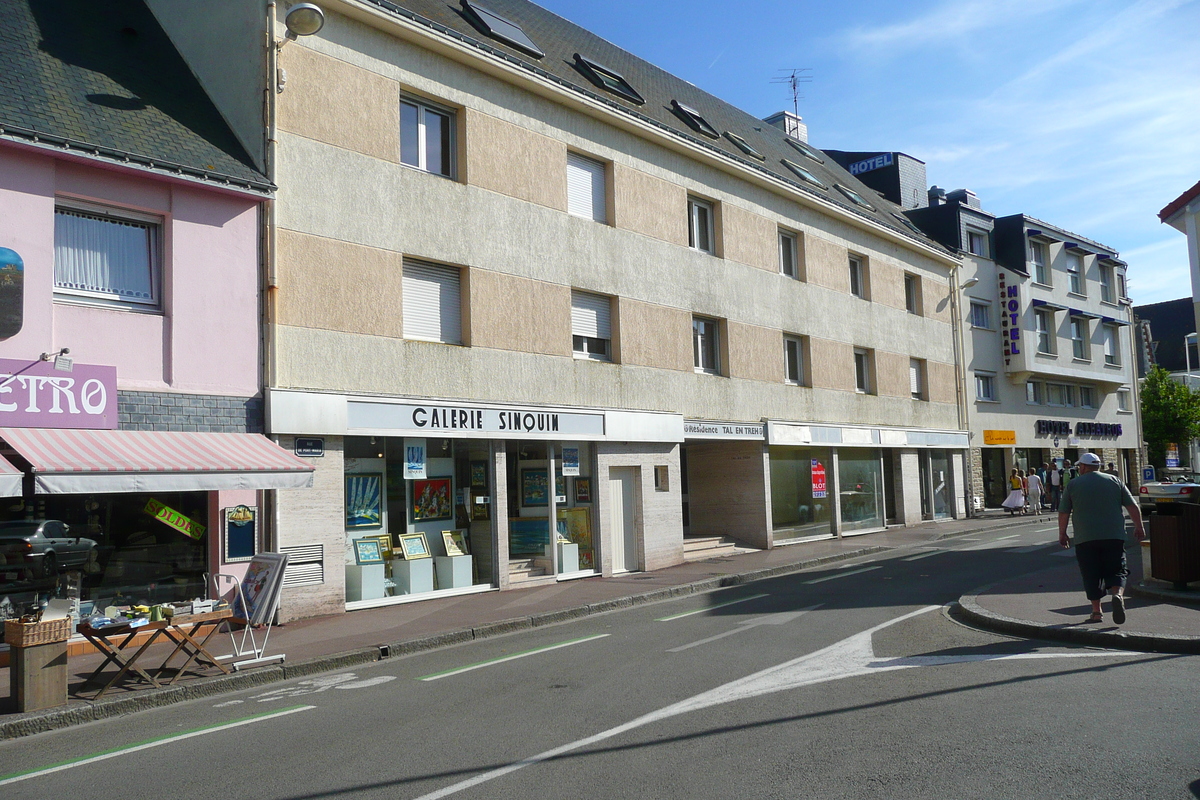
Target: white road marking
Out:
[925,555]
[848,658]
[710,608]
[839,575]
[779,618]
[155,743]
[344,680]
[990,545]
[513,657]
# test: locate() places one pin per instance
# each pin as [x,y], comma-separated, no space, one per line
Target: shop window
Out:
[981,314]
[591,326]
[700,225]
[801,486]
[788,254]
[586,190]
[106,256]
[427,137]
[706,345]
[432,302]
[912,293]
[860,496]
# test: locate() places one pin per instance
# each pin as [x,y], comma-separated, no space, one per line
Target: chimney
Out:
[937,196]
[963,197]
[790,124]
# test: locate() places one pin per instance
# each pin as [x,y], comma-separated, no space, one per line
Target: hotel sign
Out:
[34,394]
[1087,430]
[878,162]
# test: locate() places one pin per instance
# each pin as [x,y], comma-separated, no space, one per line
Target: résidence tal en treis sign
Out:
[34,394]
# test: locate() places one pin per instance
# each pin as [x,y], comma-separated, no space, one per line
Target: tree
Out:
[1170,414]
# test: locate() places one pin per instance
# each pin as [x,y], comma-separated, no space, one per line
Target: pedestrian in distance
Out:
[1111,469]
[1015,501]
[1092,503]
[1045,476]
[1055,481]
[1034,491]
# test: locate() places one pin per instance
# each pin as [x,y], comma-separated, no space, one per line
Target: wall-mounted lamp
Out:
[61,362]
[969,282]
[303,19]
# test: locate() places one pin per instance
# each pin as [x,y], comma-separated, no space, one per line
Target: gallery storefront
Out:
[441,498]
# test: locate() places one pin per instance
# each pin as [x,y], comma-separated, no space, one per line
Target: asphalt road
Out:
[847,682]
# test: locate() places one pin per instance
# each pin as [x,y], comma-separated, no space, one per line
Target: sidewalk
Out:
[344,641]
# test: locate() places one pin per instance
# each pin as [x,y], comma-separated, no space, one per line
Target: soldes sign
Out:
[33,394]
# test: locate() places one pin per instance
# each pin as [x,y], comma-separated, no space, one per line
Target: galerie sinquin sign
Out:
[33,394]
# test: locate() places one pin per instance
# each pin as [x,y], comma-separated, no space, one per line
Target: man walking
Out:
[1055,482]
[1092,502]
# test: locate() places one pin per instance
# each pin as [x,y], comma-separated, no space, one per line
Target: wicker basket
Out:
[28,634]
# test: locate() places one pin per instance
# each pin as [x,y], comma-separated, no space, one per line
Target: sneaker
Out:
[1118,609]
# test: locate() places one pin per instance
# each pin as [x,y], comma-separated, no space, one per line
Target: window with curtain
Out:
[102,256]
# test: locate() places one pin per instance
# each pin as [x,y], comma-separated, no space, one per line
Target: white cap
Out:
[1091,459]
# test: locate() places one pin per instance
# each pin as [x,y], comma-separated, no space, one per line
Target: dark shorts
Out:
[1102,564]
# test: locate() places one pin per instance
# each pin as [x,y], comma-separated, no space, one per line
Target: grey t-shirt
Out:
[1094,502]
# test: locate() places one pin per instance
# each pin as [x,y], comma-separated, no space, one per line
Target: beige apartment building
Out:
[516,274]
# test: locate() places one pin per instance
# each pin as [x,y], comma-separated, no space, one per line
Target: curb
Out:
[968,610]
[1164,594]
[29,723]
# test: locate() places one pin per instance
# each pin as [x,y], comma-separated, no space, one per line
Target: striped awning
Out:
[10,480]
[85,461]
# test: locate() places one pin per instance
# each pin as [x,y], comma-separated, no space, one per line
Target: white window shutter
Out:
[432,303]
[585,188]
[591,315]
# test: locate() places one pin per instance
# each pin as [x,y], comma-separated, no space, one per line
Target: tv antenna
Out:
[793,78]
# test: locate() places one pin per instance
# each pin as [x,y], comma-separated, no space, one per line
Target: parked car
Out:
[1183,488]
[43,545]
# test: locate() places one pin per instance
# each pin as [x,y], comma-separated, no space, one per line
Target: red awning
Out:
[84,461]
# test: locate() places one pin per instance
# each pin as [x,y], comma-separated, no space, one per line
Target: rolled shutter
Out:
[591,315]
[585,188]
[432,303]
[914,376]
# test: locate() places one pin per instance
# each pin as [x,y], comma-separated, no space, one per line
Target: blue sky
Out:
[1083,113]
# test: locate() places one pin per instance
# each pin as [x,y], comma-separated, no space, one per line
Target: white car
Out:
[1168,491]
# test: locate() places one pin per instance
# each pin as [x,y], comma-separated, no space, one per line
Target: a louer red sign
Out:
[818,479]
[33,394]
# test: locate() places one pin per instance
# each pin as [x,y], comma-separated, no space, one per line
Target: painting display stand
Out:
[413,577]
[256,599]
[365,582]
[453,572]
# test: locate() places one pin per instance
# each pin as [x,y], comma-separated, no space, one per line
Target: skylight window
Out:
[804,148]
[906,222]
[696,122]
[744,146]
[855,197]
[608,79]
[802,173]
[499,28]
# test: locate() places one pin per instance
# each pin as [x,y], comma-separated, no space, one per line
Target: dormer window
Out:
[802,173]
[693,119]
[608,79]
[492,24]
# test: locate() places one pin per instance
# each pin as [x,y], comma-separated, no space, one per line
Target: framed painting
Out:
[533,487]
[479,477]
[431,500]
[240,538]
[454,543]
[479,511]
[414,546]
[385,545]
[367,551]
[364,501]
[583,490]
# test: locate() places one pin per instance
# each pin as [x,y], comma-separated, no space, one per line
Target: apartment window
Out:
[858,277]
[788,251]
[1087,397]
[586,188]
[977,243]
[862,371]
[1121,285]
[985,386]
[427,137]
[916,378]
[1122,399]
[700,225]
[1045,331]
[1106,284]
[431,304]
[793,360]
[1112,350]
[1060,394]
[107,256]
[591,326]
[1075,272]
[1037,254]
[912,293]
[706,345]
[1033,393]
[981,315]
[1079,337]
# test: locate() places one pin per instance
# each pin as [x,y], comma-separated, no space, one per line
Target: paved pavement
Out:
[1047,605]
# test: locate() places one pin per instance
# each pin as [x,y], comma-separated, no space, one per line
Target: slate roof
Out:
[561,40]
[1170,321]
[103,78]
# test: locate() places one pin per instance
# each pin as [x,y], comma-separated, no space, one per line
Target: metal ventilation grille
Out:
[306,565]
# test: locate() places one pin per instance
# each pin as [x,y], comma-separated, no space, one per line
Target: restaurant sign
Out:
[35,394]
[1010,312]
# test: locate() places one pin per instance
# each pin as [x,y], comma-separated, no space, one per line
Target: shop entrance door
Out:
[995,483]
[621,486]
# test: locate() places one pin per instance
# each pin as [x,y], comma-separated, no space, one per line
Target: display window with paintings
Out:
[533,498]
[427,502]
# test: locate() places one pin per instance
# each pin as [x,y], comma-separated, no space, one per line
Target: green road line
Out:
[458,670]
[134,748]
[710,608]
